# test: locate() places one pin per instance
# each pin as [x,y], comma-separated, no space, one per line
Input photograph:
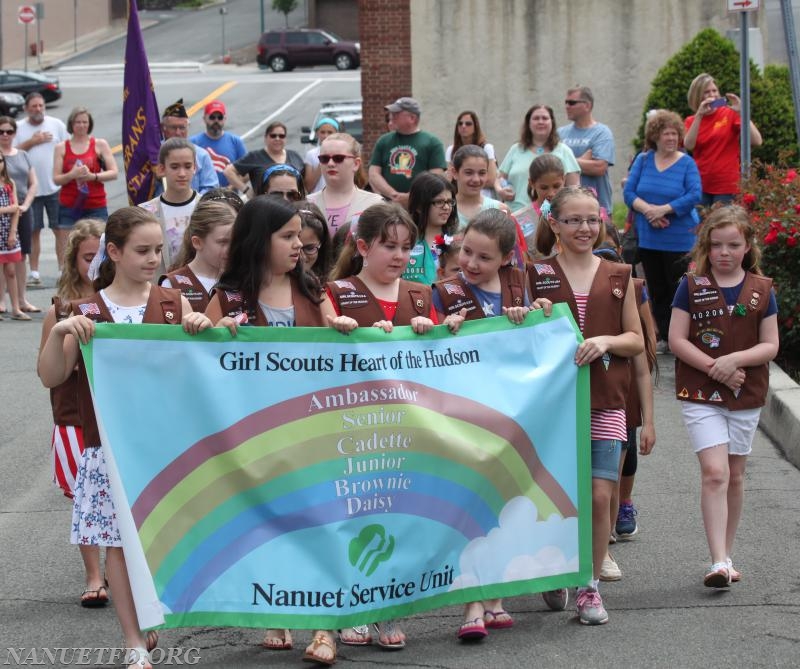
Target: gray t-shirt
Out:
[18,167]
[600,140]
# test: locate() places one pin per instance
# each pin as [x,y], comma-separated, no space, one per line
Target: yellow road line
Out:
[197,106]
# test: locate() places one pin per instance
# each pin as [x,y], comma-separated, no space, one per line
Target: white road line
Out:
[280,110]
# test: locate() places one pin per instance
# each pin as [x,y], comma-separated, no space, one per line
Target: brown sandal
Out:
[321,639]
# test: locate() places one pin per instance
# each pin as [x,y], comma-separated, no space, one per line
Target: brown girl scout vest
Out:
[64,398]
[163,306]
[456,293]
[718,331]
[610,374]
[185,280]
[354,299]
[306,312]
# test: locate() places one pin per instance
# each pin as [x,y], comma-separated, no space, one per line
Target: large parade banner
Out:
[298,477]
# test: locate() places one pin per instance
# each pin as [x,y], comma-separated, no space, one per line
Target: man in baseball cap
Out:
[404,152]
[404,104]
[223,147]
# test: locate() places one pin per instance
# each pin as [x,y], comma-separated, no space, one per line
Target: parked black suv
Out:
[283,50]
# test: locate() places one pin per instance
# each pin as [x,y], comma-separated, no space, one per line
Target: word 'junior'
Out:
[272,595]
[272,361]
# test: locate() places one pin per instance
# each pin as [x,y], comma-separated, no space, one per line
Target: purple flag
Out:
[141,127]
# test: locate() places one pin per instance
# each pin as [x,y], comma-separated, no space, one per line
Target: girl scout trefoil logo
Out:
[370,548]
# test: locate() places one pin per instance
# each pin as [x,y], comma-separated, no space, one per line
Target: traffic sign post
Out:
[744,7]
[26,15]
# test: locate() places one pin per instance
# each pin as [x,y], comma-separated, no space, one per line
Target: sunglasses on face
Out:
[572,103]
[337,158]
[291,195]
[465,123]
[216,117]
[276,135]
[7,132]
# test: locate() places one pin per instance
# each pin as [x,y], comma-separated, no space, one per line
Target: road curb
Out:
[780,417]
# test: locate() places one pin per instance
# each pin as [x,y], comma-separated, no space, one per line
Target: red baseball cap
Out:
[214,106]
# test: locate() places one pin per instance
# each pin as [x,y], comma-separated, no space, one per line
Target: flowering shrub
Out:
[772,195]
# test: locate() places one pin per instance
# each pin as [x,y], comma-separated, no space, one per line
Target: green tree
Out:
[285,7]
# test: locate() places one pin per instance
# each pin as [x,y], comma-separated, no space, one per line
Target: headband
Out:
[327,120]
[279,167]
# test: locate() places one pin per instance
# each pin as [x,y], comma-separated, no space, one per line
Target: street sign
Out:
[26,14]
[743,5]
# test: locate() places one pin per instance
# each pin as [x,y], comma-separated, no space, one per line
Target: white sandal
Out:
[138,657]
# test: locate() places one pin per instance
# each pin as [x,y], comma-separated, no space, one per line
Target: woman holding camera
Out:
[712,135]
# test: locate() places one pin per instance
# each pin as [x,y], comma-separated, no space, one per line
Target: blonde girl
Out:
[67,443]
[723,332]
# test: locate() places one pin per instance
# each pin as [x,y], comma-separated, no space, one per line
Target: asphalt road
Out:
[661,615]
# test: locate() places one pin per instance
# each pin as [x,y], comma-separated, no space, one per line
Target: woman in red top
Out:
[80,166]
[712,135]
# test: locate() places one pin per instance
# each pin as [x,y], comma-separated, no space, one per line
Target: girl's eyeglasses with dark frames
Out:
[337,158]
[444,204]
[310,249]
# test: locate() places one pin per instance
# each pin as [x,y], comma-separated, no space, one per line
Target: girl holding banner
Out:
[129,257]
[610,324]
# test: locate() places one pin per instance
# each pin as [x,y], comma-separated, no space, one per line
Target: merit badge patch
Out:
[715,397]
[710,339]
[683,393]
[702,281]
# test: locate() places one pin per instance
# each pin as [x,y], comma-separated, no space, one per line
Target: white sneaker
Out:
[610,570]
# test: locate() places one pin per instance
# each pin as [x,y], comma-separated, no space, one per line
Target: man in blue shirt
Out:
[591,142]
[223,147]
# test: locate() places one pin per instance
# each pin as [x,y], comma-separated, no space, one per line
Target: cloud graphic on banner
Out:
[521,547]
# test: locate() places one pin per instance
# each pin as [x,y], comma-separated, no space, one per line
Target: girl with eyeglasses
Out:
[316,250]
[252,165]
[432,205]
[612,333]
[468,131]
[341,200]
[22,173]
[283,180]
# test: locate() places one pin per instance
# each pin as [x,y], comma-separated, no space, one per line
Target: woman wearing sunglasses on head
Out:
[283,180]
[341,200]
[252,165]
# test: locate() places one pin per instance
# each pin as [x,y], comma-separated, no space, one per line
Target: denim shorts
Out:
[42,204]
[67,215]
[605,458]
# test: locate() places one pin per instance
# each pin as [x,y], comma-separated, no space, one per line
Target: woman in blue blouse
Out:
[663,189]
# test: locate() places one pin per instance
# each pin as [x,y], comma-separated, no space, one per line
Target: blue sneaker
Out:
[626,525]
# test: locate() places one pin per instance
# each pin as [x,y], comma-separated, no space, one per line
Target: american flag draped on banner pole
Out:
[141,128]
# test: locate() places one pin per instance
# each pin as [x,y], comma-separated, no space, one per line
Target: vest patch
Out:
[90,308]
[185,280]
[345,284]
[683,393]
[710,339]
[715,397]
[544,268]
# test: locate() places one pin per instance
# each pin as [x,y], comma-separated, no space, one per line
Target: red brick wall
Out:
[385,30]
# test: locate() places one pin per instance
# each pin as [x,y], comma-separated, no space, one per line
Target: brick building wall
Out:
[385,31]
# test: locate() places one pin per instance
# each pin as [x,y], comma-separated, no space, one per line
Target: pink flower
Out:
[797,209]
[791,175]
[749,200]
[791,241]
